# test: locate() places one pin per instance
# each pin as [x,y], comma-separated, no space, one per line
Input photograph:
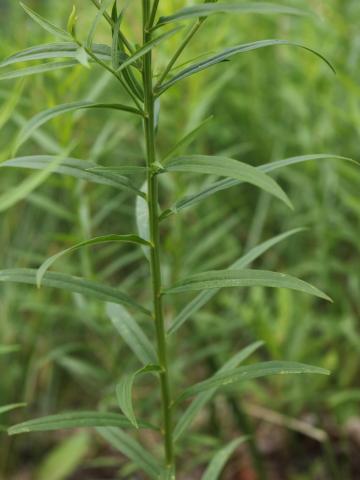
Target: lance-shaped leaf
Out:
[54,112]
[245,260]
[228,53]
[73,420]
[104,5]
[82,169]
[256,370]
[131,238]
[9,408]
[203,398]
[45,24]
[21,191]
[72,284]
[192,200]
[220,459]
[206,9]
[46,67]
[243,278]
[142,218]
[60,50]
[147,47]
[227,167]
[132,333]
[121,169]
[132,449]
[124,392]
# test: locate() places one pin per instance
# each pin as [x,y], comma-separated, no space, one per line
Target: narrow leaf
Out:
[142,218]
[245,260]
[203,398]
[9,408]
[227,167]
[121,169]
[132,449]
[72,284]
[73,167]
[104,5]
[45,24]
[256,370]
[206,9]
[54,112]
[230,52]
[132,333]
[124,392]
[72,420]
[92,241]
[34,70]
[192,200]
[243,278]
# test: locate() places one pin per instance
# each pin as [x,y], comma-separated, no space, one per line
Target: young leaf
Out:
[256,370]
[203,398]
[185,141]
[51,113]
[202,298]
[227,167]
[124,392]
[73,420]
[72,284]
[9,408]
[21,191]
[228,53]
[82,169]
[147,47]
[219,461]
[45,24]
[92,241]
[243,278]
[206,9]
[192,200]
[131,333]
[129,447]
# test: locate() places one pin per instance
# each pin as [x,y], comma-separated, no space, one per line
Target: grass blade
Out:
[256,370]
[219,461]
[203,398]
[72,284]
[228,167]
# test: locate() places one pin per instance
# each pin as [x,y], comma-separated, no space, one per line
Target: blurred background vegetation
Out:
[265,106]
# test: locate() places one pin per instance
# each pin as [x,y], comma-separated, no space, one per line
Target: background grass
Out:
[267,105]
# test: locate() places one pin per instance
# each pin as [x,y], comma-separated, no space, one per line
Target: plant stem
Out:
[155,265]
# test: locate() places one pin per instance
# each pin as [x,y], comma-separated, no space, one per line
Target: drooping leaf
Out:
[245,260]
[92,241]
[206,9]
[227,167]
[147,47]
[203,398]
[45,24]
[124,392]
[219,461]
[132,333]
[9,408]
[73,420]
[132,449]
[228,53]
[72,284]
[15,194]
[243,278]
[192,200]
[256,370]
[54,112]
[82,169]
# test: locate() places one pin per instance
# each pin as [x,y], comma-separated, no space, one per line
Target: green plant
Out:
[132,68]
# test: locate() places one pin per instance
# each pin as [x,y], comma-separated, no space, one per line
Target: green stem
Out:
[155,264]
